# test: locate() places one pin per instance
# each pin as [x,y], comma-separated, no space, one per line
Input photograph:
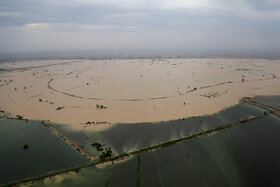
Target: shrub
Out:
[19,117]
[25,146]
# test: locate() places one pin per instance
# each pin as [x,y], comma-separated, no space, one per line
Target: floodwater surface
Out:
[132,91]
[46,151]
[245,155]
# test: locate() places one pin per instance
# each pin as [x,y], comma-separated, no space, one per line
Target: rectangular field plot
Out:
[30,148]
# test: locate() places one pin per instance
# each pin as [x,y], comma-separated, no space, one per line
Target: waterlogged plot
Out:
[273,101]
[95,94]
[241,156]
[29,149]
[244,155]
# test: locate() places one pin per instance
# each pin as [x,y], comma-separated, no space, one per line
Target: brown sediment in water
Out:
[133,90]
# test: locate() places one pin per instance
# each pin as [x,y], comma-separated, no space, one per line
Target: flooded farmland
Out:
[28,148]
[140,122]
[242,155]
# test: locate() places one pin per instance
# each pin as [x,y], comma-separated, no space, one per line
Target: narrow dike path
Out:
[69,141]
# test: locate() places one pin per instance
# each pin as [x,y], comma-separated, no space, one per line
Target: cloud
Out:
[179,24]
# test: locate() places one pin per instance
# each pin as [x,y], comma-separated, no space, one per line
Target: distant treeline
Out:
[133,55]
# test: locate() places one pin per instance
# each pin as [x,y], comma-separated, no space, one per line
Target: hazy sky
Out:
[44,25]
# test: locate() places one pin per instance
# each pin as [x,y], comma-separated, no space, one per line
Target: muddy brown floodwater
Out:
[104,92]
